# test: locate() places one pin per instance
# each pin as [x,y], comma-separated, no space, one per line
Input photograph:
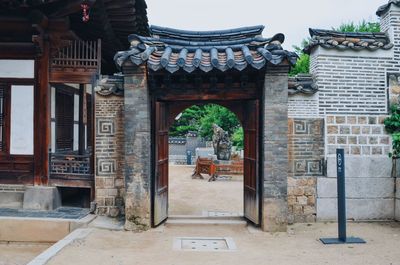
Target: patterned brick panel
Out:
[358,135]
[306,163]
[110,184]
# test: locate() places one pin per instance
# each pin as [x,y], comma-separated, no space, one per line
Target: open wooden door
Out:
[160,204]
[251,156]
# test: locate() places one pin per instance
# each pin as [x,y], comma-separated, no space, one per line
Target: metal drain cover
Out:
[204,244]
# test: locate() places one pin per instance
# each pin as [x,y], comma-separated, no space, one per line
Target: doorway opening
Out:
[200,182]
[165,114]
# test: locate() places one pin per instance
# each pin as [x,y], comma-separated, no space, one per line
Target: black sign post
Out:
[341,193]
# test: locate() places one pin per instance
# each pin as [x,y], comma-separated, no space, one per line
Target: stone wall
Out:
[109,155]
[359,135]
[137,148]
[306,163]
[275,167]
[353,100]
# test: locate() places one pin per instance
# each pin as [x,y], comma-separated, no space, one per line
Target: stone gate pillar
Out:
[275,149]
[137,148]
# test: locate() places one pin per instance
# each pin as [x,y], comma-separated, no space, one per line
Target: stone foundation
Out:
[369,189]
[397,201]
[12,196]
[41,198]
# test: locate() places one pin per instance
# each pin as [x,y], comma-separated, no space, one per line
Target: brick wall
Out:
[350,84]
[109,158]
[303,106]
[306,163]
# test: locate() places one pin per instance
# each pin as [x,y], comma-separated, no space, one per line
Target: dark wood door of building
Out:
[160,203]
[251,161]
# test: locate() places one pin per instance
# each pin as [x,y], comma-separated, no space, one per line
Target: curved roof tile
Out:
[384,8]
[173,49]
[330,39]
[302,84]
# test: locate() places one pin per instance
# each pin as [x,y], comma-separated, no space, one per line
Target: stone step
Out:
[203,217]
[200,220]
[40,230]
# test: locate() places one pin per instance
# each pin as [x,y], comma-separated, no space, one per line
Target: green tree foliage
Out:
[363,26]
[221,116]
[302,65]
[237,138]
[188,121]
[201,118]
[392,126]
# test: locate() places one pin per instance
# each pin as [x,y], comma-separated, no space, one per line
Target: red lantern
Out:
[85,11]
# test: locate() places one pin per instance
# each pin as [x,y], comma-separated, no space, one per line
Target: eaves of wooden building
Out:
[50,54]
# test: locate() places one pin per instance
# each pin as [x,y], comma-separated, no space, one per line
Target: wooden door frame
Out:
[182,104]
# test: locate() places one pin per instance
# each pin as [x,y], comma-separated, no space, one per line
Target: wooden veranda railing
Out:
[79,54]
[71,166]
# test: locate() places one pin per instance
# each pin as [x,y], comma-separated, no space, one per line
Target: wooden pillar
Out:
[42,118]
[82,118]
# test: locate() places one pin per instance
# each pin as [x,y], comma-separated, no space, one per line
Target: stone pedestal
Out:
[397,200]
[42,198]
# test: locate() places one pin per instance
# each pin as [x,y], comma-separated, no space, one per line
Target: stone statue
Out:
[221,143]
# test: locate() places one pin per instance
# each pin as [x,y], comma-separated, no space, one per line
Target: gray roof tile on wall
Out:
[330,39]
[302,84]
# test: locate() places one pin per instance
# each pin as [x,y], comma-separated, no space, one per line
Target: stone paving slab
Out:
[60,213]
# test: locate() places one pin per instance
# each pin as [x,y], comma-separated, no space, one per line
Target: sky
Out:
[292,18]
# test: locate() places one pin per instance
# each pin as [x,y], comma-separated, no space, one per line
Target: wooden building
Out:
[51,53]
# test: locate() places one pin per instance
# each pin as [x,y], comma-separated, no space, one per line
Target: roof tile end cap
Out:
[384,8]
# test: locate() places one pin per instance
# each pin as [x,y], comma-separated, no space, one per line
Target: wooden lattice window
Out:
[64,121]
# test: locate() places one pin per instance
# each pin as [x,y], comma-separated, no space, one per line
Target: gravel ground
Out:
[189,196]
[20,253]
[299,246]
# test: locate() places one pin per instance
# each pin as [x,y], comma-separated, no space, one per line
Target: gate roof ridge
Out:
[174,49]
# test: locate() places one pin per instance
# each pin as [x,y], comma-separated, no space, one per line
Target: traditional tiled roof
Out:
[384,8]
[348,40]
[173,49]
[302,84]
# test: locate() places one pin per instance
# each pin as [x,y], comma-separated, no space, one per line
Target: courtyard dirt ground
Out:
[20,253]
[189,196]
[299,246]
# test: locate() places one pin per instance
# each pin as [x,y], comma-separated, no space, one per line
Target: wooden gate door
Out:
[251,163]
[160,203]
